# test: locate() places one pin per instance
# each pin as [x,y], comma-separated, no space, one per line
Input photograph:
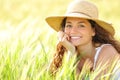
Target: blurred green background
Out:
[26,40]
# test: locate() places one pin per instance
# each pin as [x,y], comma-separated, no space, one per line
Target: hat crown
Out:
[83,7]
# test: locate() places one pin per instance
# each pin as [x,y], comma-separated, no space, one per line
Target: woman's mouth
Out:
[75,38]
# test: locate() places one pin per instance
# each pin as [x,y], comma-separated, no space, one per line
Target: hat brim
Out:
[55,22]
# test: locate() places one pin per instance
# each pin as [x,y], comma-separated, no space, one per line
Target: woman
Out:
[81,32]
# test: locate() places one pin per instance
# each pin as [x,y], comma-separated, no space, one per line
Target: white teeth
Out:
[75,37]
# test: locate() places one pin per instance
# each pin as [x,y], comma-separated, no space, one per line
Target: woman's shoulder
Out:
[108,51]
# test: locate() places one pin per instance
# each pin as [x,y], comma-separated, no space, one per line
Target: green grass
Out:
[27,43]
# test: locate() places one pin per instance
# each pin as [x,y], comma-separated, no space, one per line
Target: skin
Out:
[77,36]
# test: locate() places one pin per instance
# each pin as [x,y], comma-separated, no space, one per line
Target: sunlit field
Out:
[27,43]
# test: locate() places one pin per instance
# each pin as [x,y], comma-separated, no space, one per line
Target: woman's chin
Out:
[76,44]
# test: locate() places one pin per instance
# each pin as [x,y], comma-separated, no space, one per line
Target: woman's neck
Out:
[86,50]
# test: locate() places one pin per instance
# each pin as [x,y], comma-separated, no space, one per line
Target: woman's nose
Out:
[73,30]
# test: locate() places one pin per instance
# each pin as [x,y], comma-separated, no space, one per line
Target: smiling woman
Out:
[79,31]
[82,33]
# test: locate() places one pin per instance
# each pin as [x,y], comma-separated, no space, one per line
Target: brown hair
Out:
[102,36]
[57,60]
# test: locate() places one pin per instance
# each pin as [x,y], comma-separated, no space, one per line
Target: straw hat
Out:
[80,9]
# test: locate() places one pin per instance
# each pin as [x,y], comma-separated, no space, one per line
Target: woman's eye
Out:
[68,26]
[81,26]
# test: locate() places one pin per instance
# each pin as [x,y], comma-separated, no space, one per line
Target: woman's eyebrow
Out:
[68,22]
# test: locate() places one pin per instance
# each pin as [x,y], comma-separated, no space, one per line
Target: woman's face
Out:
[79,30]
